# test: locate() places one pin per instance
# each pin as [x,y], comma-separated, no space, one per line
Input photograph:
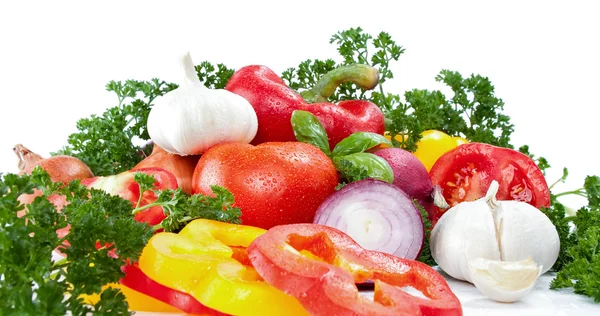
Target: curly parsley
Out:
[181,208]
[578,264]
[32,283]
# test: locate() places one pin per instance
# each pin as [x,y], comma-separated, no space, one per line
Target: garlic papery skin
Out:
[504,281]
[493,230]
[192,118]
[464,232]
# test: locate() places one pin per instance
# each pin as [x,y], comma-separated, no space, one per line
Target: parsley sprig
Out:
[578,264]
[32,283]
[181,208]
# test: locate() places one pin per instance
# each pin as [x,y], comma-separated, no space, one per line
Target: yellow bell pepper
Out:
[199,261]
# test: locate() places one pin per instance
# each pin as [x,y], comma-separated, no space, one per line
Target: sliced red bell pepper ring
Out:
[136,280]
[326,285]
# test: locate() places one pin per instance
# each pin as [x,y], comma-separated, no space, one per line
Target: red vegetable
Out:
[410,175]
[377,215]
[182,167]
[62,169]
[273,183]
[326,285]
[465,173]
[136,280]
[274,103]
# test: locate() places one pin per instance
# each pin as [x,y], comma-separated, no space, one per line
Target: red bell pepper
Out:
[324,280]
[274,103]
[136,280]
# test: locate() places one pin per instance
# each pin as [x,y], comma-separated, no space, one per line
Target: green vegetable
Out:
[26,246]
[308,129]
[425,255]
[354,166]
[578,264]
[348,156]
[359,142]
[181,208]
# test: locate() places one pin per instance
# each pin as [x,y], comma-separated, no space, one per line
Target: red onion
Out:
[377,215]
[410,175]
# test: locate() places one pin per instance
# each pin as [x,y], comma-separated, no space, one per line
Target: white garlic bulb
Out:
[494,231]
[192,118]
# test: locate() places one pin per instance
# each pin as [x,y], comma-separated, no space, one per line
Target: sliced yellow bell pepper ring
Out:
[198,261]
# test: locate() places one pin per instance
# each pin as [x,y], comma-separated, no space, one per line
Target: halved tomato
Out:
[465,174]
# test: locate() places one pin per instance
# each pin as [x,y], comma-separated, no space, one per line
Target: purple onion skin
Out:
[410,175]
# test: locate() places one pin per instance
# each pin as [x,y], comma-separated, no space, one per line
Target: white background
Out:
[542,57]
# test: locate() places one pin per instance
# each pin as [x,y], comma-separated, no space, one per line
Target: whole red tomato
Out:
[273,183]
[465,174]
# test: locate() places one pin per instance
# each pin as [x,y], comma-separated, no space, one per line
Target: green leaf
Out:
[592,188]
[359,142]
[308,129]
[359,166]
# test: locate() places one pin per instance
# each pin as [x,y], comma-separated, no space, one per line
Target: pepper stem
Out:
[364,76]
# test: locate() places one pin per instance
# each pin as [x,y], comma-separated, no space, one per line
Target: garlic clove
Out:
[504,281]
[524,231]
[466,231]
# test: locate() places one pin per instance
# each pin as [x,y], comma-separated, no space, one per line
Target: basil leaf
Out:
[358,166]
[308,129]
[358,143]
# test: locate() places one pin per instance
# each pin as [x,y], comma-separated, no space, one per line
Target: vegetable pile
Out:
[337,182]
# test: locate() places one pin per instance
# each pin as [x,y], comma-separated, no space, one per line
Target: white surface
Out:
[540,302]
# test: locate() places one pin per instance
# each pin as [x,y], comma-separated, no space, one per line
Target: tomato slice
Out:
[465,173]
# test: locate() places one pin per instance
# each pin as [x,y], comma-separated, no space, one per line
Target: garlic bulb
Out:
[492,230]
[462,233]
[504,281]
[192,118]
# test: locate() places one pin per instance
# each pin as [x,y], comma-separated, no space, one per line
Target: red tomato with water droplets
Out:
[273,183]
[465,174]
